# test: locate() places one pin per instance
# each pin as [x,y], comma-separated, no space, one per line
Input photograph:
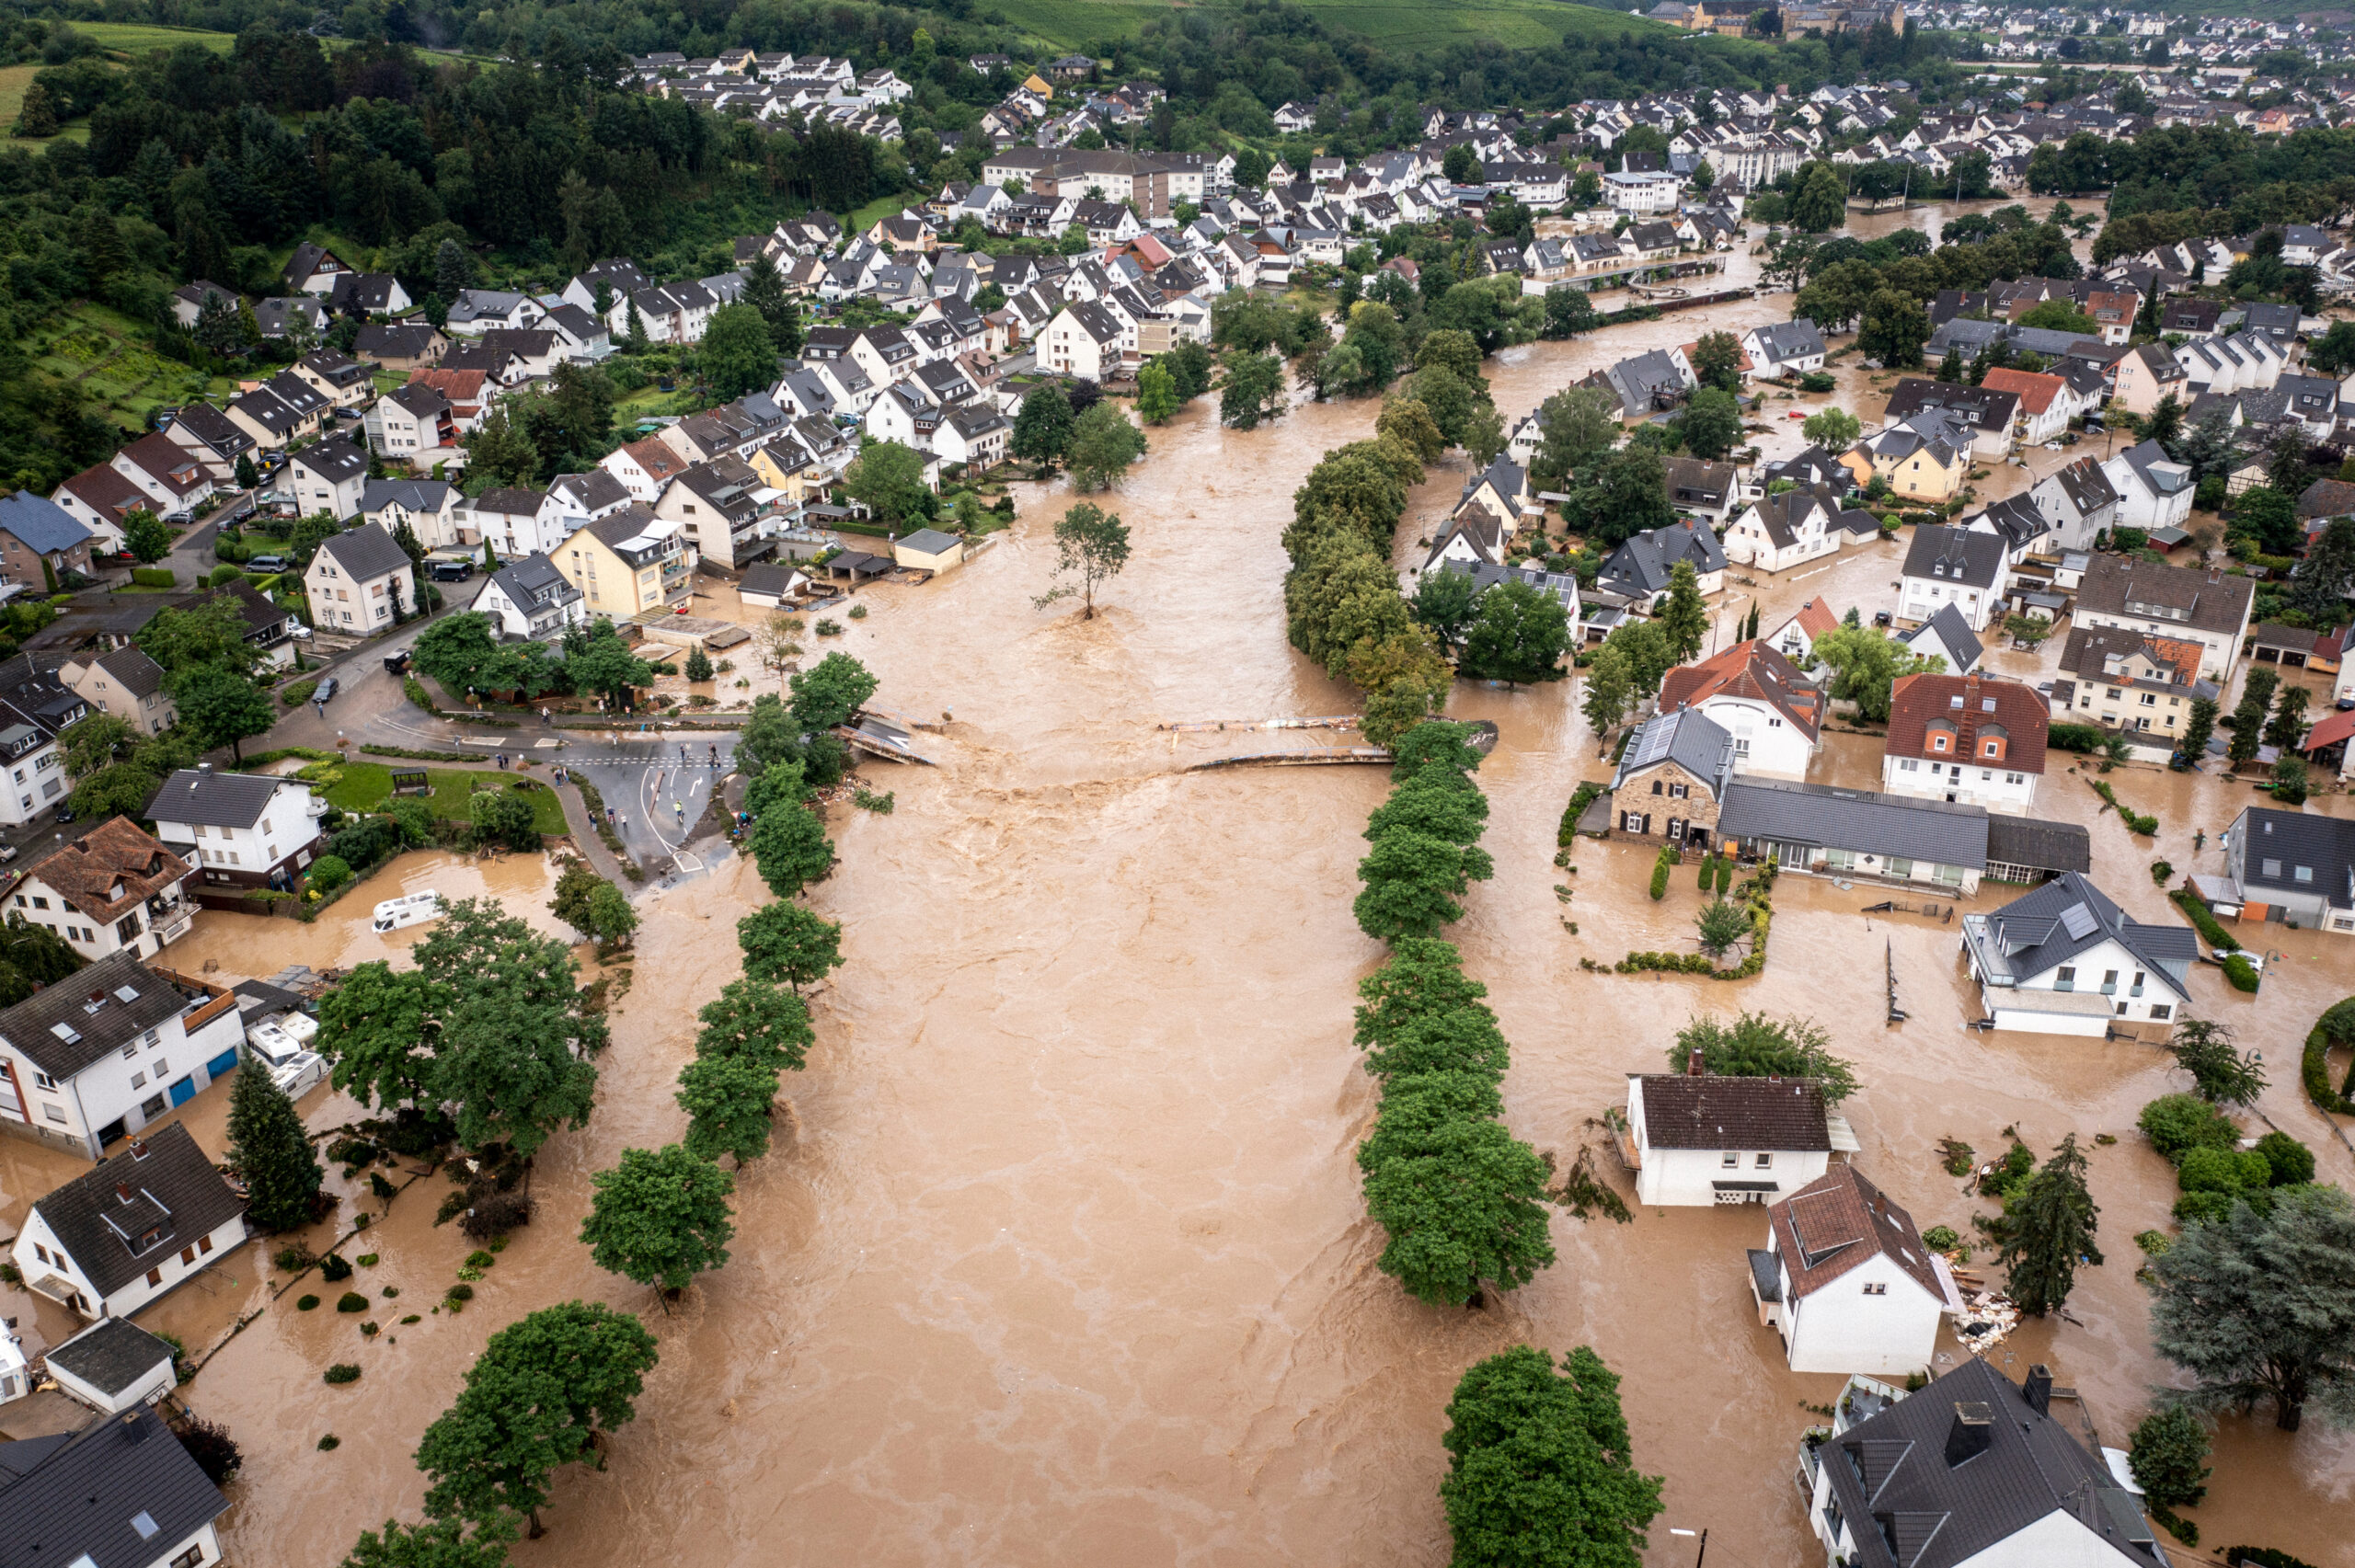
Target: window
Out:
[43,1079]
[161,1070]
[2013,778]
[2065,979]
[43,903]
[1764,1162]
[1730,1159]
[40,1251]
[204,1243]
[188,1256]
[2109,982]
[2161,1011]
[1877,1288]
[2150,698]
[2302,873]
[2271,868]
[154,1277]
[138,1081]
[1909,766]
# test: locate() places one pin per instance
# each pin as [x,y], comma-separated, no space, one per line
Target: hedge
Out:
[2240,971]
[2314,1069]
[153,576]
[2196,909]
[1582,798]
[295,695]
[1659,873]
[2073,738]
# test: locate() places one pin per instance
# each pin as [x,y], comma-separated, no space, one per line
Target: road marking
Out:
[686,862]
[544,745]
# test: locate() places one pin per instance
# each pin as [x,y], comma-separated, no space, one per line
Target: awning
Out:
[1747,1186]
[1843,1136]
[1765,1275]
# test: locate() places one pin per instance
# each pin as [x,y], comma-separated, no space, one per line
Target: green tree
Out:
[727,1100]
[1092,545]
[1103,444]
[887,477]
[759,1022]
[2046,1231]
[271,1153]
[2060,315]
[2288,724]
[1518,635]
[1576,427]
[1866,666]
[36,112]
[502,816]
[1461,165]
[432,1543]
[499,453]
[1717,361]
[145,536]
[1190,368]
[2261,1306]
[738,351]
[2322,580]
[764,291]
[1833,429]
[661,1218]
[1042,428]
[378,1029]
[790,848]
[1254,390]
[1720,925]
[2285,460]
[2220,1073]
[512,1055]
[1610,691]
[831,692]
[1626,494]
[210,631]
[2168,1454]
[600,663]
[535,1399]
[1444,602]
[789,944]
[1684,617]
[591,905]
[1541,1469]
[222,707]
[699,664]
[1412,883]
[2198,729]
[1819,202]
[1156,393]
[1460,1198]
[1755,1046]
[1893,329]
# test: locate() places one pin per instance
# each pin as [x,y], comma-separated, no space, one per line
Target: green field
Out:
[137,38]
[106,353]
[364,786]
[1515,23]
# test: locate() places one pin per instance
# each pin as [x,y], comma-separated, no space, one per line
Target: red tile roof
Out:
[1746,670]
[1838,1220]
[1968,713]
[2037,391]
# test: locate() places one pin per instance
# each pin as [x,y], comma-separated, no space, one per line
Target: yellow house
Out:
[1926,457]
[626,562]
[784,465]
[1035,84]
[927,549]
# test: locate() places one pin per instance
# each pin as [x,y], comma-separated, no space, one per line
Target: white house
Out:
[1773,712]
[238,830]
[113,1366]
[2078,501]
[531,599]
[1784,348]
[1946,566]
[36,707]
[1781,532]
[2065,959]
[429,506]
[415,421]
[328,477]
[1648,192]
[1699,1140]
[1846,1280]
[1083,340]
[119,1492]
[104,1053]
[112,1240]
[1966,739]
[478,311]
[2153,491]
[356,581]
[645,467]
[1976,1468]
[115,890]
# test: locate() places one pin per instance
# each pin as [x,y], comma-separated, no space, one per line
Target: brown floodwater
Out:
[1062,1258]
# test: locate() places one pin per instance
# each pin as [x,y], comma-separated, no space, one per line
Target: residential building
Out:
[1780,532]
[126,683]
[338,377]
[240,831]
[1672,778]
[329,477]
[1698,1139]
[401,345]
[1924,457]
[1709,491]
[1989,412]
[2295,867]
[1846,1281]
[40,542]
[360,582]
[102,499]
[2029,851]
[174,478]
[367,294]
[1856,832]
[2187,603]
[725,510]
[2147,376]
[2132,684]
[645,467]
[1962,737]
[927,549]
[2079,502]
[429,507]
[1972,1469]
[531,599]
[112,1240]
[1951,566]
[2153,491]
[113,1366]
[1773,713]
[36,707]
[211,436]
[1646,383]
[2044,404]
[626,562]
[1795,638]
[415,421]
[478,311]
[2065,959]
[1946,637]
[270,629]
[1783,348]
[1640,568]
[115,890]
[312,270]
[96,1485]
[1083,341]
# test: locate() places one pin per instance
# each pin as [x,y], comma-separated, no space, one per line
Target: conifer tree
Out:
[270,1152]
[2047,1231]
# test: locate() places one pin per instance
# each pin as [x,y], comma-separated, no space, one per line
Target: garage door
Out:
[184,1091]
[225,1062]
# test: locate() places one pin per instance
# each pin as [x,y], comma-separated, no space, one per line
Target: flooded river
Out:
[1064,1259]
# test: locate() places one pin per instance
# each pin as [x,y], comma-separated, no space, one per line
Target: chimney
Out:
[122,1193]
[1692,1068]
[1973,1429]
[204,767]
[2038,1389]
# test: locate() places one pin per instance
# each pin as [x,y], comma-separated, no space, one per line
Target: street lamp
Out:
[1703,1553]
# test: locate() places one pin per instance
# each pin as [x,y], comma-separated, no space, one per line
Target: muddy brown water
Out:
[1063,1257]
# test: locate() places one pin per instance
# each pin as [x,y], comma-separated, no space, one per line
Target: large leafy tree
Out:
[1043,425]
[1625,493]
[2047,1229]
[1090,544]
[1894,329]
[738,351]
[1254,390]
[1717,361]
[601,664]
[830,692]
[1412,882]
[222,707]
[786,943]
[660,1217]
[790,848]
[1609,689]
[535,1399]
[432,1543]
[1576,427]
[1865,664]
[1445,603]
[1711,424]
[1460,1198]
[727,1100]
[1755,1046]
[1518,636]
[378,1029]
[270,1152]
[2322,581]
[887,477]
[1103,444]
[2261,1306]
[756,1020]
[1541,1470]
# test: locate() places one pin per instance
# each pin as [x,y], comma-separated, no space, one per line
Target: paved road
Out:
[645,782]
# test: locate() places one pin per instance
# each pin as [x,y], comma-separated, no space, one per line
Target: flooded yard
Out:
[1063,1258]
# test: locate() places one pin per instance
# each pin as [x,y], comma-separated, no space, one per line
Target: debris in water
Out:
[1988,1319]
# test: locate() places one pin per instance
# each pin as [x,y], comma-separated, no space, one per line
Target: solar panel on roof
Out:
[2079,920]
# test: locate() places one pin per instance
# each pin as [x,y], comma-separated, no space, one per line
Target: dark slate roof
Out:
[533,583]
[1687,736]
[2039,930]
[1894,1467]
[1791,340]
[134,671]
[1984,407]
[1642,564]
[2204,599]
[334,461]
[2292,841]
[2046,846]
[767,577]
[84,1496]
[1954,554]
[1862,821]
[213,800]
[2085,484]
[112,1354]
[176,1196]
[411,495]
[41,524]
[96,1027]
[366,552]
[1685,1112]
[1951,632]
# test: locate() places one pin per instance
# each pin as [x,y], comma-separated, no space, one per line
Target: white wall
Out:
[1777,748]
[2092,970]
[1924,597]
[40,781]
[2056,1541]
[1840,1329]
[1997,788]
[166,1261]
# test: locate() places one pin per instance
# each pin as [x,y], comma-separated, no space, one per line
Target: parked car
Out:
[324,692]
[1882,618]
[64,813]
[266,564]
[450,571]
[397,663]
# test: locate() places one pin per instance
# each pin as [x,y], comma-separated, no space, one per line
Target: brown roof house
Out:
[1844,1279]
[115,890]
[1966,738]
[1698,1139]
[1773,713]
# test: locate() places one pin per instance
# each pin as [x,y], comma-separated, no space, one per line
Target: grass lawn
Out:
[882,207]
[13,80]
[365,786]
[95,347]
[1515,24]
[137,38]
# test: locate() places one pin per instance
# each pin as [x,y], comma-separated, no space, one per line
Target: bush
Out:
[330,1443]
[2214,1208]
[1941,1239]
[2153,1243]
[333,1268]
[153,576]
[478,1259]
[2214,1170]
[1659,873]
[304,1303]
[2073,738]
[352,1301]
[2162,872]
[342,1372]
[329,873]
[2194,909]
[2177,1124]
[2240,971]
[214,1451]
[297,693]
[459,1293]
[2291,1162]
[1817,381]
[2262,1557]
[495,1214]
[294,1257]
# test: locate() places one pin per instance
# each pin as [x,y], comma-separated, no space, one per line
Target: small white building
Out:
[1844,1279]
[1083,341]
[1698,1139]
[357,579]
[1781,532]
[2065,959]
[148,1221]
[113,1366]
[1949,565]
[239,830]
[115,890]
[1784,348]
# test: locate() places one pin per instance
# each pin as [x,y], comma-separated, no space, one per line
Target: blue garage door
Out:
[225,1062]
[184,1091]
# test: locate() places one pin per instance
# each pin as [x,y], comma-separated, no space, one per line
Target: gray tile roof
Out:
[334,461]
[2295,841]
[366,552]
[39,523]
[93,1028]
[1640,567]
[1943,1505]
[1685,1112]
[2042,930]
[1951,632]
[79,1497]
[1954,554]
[1863,820]
[112,1354]
[2044,846]
[1689,737]
[415,494]
[176,1196]
[213,800]
[2203,599]
[134,671]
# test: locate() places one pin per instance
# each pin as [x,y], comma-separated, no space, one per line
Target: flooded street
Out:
[1062,1258]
